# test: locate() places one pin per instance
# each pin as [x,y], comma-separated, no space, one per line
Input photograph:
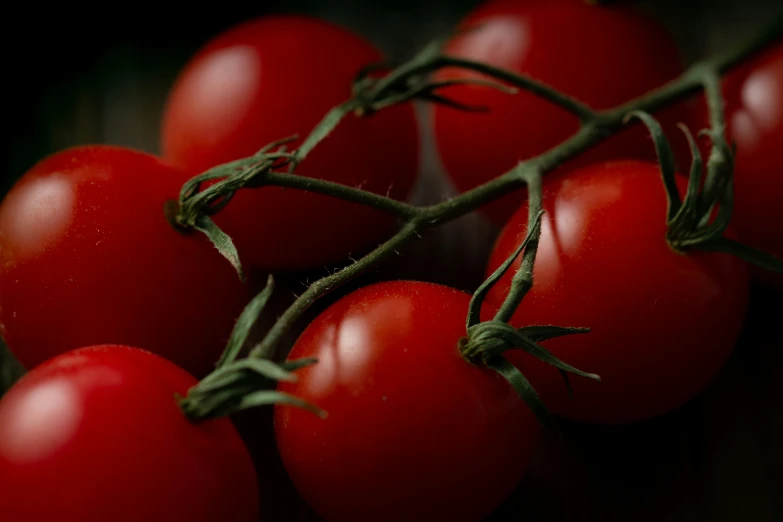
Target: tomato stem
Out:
[700,219]
[522,281]
[410,81]
[575,107]
[487,341]
[270,343]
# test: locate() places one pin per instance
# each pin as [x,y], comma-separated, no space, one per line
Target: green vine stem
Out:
[266,348]
[407,82]
[594,130]
[522,281]
[487,341]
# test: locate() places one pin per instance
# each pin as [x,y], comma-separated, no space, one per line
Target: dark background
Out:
[80,75]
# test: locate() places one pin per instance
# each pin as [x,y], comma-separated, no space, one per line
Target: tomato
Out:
[663,323]
[95,434]
[414,432]
[87,256]
[602,56]
[753,95]
[265,80]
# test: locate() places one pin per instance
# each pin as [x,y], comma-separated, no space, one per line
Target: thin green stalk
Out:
[355,195]
[577,108]
[522,281]
[719,164]
[266,348]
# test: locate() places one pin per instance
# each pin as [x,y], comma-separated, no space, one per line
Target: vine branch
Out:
[267,347]
[596,127]
[410,81]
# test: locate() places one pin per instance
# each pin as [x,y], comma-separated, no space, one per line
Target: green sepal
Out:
[245,323]
[226,390]
[666,160]
[523,388]
[222,242]
[491,338]
[474,308]
[539,333]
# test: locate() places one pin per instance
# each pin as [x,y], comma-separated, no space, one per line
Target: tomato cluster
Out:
[117,311]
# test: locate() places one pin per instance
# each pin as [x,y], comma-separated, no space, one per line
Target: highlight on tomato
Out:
[96,434]
[662,323]
[89,257]
[271,78]
[600,55]
[414,431]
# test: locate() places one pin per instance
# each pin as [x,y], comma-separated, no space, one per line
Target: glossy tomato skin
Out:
[662,323]
[88,257]
[96,434]
[413,432]
[753,94]
[600,55]
[271,78]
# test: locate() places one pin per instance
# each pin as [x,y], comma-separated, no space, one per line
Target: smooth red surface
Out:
[753,95]
[88,257]
[95,435]
[271,78]
[413,431]
[662,323]
[600,55]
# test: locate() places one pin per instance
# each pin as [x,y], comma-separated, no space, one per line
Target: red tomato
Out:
[413,432]
[271,78]
[88,257]
[662,323]
[602,56]
[754,115]
[96,435]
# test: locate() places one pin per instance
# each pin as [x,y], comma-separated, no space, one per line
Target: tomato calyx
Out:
[195,206]
[247,383]
[491,338]
[411,81]
[699,219]
[487,341]
[171,209]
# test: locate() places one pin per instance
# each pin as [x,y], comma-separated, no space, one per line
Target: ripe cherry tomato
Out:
[413,432]
[88,257]
[753,95]
[662,323]
[602,56]
[271,78]
[96,434]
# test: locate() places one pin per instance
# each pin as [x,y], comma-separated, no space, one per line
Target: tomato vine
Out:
[236,384]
